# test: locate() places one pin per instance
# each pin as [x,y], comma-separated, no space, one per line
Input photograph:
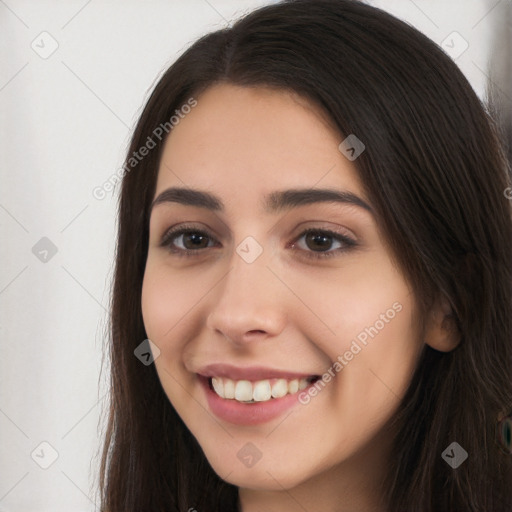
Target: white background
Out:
[65,125]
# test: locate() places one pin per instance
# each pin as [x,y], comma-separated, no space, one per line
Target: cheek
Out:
[365,303]
[166,302]
[379,348]
[167,298]
[372,336]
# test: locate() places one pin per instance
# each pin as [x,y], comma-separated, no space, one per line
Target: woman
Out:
[313,233]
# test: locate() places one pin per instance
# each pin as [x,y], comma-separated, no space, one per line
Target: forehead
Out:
[248,140]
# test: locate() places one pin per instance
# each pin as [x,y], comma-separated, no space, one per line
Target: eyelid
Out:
[180,229]
[347,241]
[175,231]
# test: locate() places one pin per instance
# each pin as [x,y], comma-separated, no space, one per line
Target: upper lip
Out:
[249,372]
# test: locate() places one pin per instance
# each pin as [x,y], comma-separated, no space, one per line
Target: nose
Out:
[248,304]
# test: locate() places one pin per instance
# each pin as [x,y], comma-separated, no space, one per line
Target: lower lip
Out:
[255,413]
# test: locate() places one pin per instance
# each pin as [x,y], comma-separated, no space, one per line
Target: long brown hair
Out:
[434,170]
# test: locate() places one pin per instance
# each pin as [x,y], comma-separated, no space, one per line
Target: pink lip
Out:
[252,373]
[239,413]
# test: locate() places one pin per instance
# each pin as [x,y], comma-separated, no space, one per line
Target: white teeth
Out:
[229,388]
[303,384]
[293,386]
[243,391]
[218,386]
[280,388]
[260,391]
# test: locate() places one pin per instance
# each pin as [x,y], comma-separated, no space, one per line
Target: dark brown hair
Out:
[435,172]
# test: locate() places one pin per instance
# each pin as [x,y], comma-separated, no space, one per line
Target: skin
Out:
[284,310]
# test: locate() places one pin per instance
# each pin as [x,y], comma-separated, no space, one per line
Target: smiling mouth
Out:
[248,392]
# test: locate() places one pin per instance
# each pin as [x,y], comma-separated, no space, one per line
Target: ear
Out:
[441,331]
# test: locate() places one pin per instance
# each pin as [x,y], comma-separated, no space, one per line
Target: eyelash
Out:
[170,235]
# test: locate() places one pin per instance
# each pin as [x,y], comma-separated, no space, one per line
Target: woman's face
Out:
[275,274]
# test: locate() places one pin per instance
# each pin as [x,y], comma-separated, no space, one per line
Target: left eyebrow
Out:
[273,202]
[286,199]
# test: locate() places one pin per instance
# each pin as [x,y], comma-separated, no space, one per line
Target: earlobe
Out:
[441,330]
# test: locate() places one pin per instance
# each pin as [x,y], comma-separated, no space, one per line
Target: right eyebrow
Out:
[190,197]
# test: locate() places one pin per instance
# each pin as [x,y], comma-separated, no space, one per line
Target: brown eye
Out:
[194,240]
[187,240]
[317,241]
[320,243]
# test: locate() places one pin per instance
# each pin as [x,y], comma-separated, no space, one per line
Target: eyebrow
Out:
[273,202]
